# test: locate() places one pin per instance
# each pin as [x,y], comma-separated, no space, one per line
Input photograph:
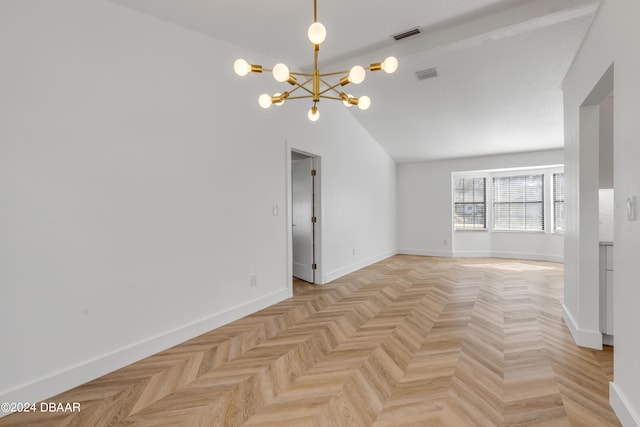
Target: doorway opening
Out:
[596,207]
[305,216]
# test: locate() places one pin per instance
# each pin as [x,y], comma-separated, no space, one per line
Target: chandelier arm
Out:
[301,97]
[316,73]
[300,74]
[330,97]
[315,11]
[335,73]
[302,86]
[330,87]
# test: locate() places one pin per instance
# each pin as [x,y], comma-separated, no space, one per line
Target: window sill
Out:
[470,229]
[520,231]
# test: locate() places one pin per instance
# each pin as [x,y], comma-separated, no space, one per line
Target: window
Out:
[518,202]
[469,201]
[558,203]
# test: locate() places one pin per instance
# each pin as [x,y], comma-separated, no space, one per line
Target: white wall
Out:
[425,215]
[137,179]
[358,187]
[605,215]
[606,143]
[609,41]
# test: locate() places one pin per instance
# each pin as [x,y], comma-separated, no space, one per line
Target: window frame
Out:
[455,203]
[555,201]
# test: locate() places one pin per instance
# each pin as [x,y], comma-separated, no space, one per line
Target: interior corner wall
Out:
[425,207]
[607,43]
[358,188]
[135,202]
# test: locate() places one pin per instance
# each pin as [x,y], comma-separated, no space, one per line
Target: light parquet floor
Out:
[409,341]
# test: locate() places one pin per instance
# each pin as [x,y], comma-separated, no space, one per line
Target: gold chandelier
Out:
[314,85]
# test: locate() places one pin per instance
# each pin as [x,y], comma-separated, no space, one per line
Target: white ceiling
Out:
[500,63]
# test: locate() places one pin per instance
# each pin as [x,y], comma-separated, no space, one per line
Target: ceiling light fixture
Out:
[315,84]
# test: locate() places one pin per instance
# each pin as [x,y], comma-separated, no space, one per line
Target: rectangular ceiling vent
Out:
[405,34]
[427,74]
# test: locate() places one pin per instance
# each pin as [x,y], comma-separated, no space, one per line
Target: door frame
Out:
[317,238]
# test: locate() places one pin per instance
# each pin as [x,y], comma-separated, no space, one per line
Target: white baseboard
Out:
[473,254]
[424,252]
[481,254]
[66,379]
[624,411]
[512,255]
[607,339]
[356,266]
[529,256]
[582,337]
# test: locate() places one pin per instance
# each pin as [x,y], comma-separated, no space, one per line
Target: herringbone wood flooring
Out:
[409,341]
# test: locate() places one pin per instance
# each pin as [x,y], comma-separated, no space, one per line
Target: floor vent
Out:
[427,74]
[409,33]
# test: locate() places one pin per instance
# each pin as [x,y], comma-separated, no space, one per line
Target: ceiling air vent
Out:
[409,33]
[427,74]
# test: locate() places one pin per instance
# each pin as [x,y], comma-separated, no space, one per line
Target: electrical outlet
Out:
[444,242]
[353,252]
[253,280]
[275,210]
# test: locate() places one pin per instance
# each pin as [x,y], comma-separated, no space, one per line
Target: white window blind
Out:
[469,201]
[518,202]
[558,203]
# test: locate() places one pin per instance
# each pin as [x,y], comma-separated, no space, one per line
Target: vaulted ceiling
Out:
[500,63]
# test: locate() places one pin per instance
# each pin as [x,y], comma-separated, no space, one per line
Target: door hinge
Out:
[313,172]
[314,219]
[314,266]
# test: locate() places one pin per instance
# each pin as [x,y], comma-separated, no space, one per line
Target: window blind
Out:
[558,203]
[518,202]
[470,198]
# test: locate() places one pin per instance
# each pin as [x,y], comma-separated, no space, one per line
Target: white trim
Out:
[625,412]
[289,213]
[479,254]
[582,337]
[529,256]
[472,254]
[425,252]
[74,376]
[319,213]
[356,266]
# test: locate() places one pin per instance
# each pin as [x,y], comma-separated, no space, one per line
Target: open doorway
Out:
[596,210]
[305,216]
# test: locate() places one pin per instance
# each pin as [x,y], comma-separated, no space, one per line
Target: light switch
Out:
[275,210]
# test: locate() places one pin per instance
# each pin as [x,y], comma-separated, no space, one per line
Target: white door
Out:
[302,215]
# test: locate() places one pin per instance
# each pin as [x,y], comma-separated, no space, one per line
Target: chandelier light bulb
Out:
[357,75]
[241,67]
[280,72]
[346,101]
[264,100]
[364,103]
[313,114]
[390,65]
[317,33]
